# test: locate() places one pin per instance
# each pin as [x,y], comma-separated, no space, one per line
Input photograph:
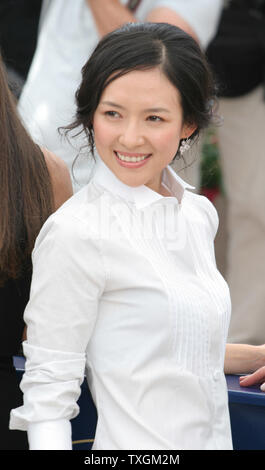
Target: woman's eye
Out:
[113,114]
[155,118]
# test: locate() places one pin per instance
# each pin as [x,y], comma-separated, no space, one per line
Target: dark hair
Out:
[140,46]
[25,187]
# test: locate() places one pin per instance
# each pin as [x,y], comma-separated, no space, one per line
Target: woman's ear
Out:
[188,130]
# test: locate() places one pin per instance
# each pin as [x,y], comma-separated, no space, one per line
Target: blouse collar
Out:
[141,196]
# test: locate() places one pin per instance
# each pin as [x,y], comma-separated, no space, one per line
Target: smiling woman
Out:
[125,282]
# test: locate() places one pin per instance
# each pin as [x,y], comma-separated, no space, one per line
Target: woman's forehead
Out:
[150,87]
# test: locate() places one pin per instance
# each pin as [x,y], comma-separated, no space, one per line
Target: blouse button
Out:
[216,375]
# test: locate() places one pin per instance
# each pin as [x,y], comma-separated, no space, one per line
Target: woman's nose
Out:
[131,136]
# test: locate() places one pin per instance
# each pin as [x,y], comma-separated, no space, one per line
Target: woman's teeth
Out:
[130,159]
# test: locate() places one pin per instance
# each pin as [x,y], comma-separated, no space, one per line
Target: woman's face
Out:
[138,125]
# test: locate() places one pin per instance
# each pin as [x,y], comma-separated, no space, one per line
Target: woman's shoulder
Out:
[206,207]
[60,177]
[78,216]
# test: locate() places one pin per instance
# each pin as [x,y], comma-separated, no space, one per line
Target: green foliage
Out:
[211,175]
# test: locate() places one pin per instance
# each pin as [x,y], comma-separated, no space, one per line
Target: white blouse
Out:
[125,285]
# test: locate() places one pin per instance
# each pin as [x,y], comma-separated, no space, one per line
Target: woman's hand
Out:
[258,377]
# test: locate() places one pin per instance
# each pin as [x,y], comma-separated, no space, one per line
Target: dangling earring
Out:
[184,146]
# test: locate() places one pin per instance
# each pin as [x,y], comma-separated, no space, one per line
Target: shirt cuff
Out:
[50,435]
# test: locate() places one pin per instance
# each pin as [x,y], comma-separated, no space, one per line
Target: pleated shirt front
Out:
[125,286]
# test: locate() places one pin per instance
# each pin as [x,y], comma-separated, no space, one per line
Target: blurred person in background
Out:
[69,32]
[237,54]
[33,183]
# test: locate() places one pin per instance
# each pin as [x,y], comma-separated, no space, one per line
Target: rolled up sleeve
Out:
[68,280]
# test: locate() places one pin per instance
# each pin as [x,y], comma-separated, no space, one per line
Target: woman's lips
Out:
[132,160]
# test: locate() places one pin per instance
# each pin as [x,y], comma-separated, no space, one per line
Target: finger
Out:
[247,381]
[256,377]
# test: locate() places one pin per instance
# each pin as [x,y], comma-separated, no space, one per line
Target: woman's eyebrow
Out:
[110,103]
[148,110]
[156,110]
